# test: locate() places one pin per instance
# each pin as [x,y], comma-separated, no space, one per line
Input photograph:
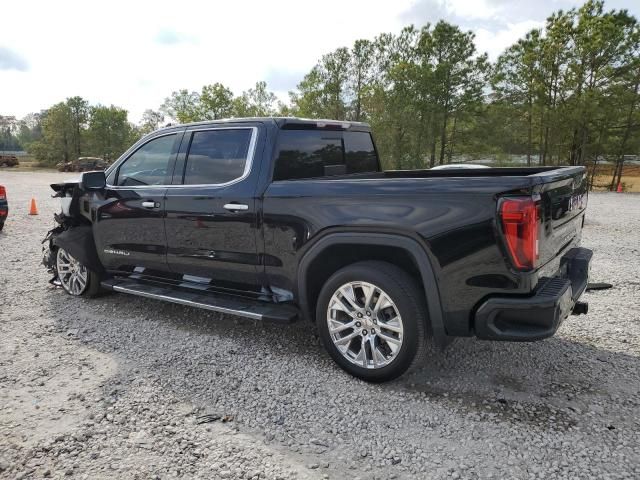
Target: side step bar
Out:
[232,305]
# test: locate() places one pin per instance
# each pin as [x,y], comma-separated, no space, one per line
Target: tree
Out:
[360,76]
[57,132]
[255,102]
[151,120]
[29,129]
[183,106]
[78,116]
[517,80]
[322,92]
[216,101]
[8,127]
[109,133]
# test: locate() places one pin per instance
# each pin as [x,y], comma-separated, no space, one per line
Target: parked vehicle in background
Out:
[284,218]
[9,161]
[4,206]
[83,164]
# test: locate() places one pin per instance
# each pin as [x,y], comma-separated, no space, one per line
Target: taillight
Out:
[3,193]
[519,217]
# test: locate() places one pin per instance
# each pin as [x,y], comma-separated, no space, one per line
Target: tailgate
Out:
[563,197]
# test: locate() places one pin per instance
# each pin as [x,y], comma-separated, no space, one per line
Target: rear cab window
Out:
[313,153]
[218,156]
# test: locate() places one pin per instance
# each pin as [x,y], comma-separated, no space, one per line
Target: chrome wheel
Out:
[72,274]
[365,325]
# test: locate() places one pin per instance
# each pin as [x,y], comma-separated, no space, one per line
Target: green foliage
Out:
[151,120]
[72,128]
[217,101]
[109,133]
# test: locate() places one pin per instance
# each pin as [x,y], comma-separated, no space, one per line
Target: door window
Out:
[217,156]
[150,164]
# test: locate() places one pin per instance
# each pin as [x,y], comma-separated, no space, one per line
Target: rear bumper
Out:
[538,316]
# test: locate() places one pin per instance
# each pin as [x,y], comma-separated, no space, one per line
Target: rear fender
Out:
[420,257]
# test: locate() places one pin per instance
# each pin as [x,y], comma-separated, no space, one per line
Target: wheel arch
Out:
[407,247]
[78,241]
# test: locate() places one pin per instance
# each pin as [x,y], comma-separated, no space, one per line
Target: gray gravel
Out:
[124,387]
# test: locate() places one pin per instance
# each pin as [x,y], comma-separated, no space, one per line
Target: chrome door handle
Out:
[236,206]
[149,204]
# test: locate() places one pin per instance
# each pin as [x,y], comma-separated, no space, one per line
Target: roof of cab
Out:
[281,122]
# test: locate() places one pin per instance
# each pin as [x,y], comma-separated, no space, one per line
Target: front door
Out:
[211,216]
[129,229]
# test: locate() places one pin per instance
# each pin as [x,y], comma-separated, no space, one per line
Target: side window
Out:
[149,165]
[217,156]
[307,154]
[322,153]
[360,154]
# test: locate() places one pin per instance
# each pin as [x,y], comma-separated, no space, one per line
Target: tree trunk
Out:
[529,131]
[546,145]
[453,139]
[541,136]
[625,137]
[443,134]
[359,98]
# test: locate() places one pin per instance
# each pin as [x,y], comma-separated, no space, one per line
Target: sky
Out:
[134,53]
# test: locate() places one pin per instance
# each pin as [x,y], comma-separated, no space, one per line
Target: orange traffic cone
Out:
[33,210]
[619,189]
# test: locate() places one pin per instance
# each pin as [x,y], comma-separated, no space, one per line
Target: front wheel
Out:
[371,317]
[75,278]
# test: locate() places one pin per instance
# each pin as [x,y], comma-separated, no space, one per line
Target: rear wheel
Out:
[75,278]
[371,318]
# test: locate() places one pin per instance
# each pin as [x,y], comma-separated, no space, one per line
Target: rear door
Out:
[129,229]
[211,212]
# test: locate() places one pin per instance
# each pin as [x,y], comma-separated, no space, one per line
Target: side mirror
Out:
[93,180]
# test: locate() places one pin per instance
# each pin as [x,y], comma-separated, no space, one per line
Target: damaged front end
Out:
[73,232]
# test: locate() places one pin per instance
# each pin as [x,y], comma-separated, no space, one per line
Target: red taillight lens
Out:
[3,212]
[3,193]
[519,218]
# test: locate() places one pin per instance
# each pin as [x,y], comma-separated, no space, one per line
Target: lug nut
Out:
[358,324]
[364,333]
[368,314]
[373,331]
[359,315]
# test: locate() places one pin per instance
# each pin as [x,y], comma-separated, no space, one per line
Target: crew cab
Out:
[281,219]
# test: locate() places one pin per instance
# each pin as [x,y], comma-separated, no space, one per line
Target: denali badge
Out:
[113,251]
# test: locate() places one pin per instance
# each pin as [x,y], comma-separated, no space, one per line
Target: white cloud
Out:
[495,42]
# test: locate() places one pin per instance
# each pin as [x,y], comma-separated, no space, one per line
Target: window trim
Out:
[247,166]
[135,187]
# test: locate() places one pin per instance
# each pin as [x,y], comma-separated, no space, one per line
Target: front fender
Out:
[79,243]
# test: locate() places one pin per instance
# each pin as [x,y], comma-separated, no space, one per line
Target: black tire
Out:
[92,287]
[1,226]
[407,296]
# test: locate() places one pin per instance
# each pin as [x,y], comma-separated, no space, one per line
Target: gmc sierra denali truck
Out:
[283,218]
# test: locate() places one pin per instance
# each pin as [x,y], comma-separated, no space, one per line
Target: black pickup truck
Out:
[283,218]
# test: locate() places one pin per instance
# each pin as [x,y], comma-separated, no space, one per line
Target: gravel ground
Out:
[125,387]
